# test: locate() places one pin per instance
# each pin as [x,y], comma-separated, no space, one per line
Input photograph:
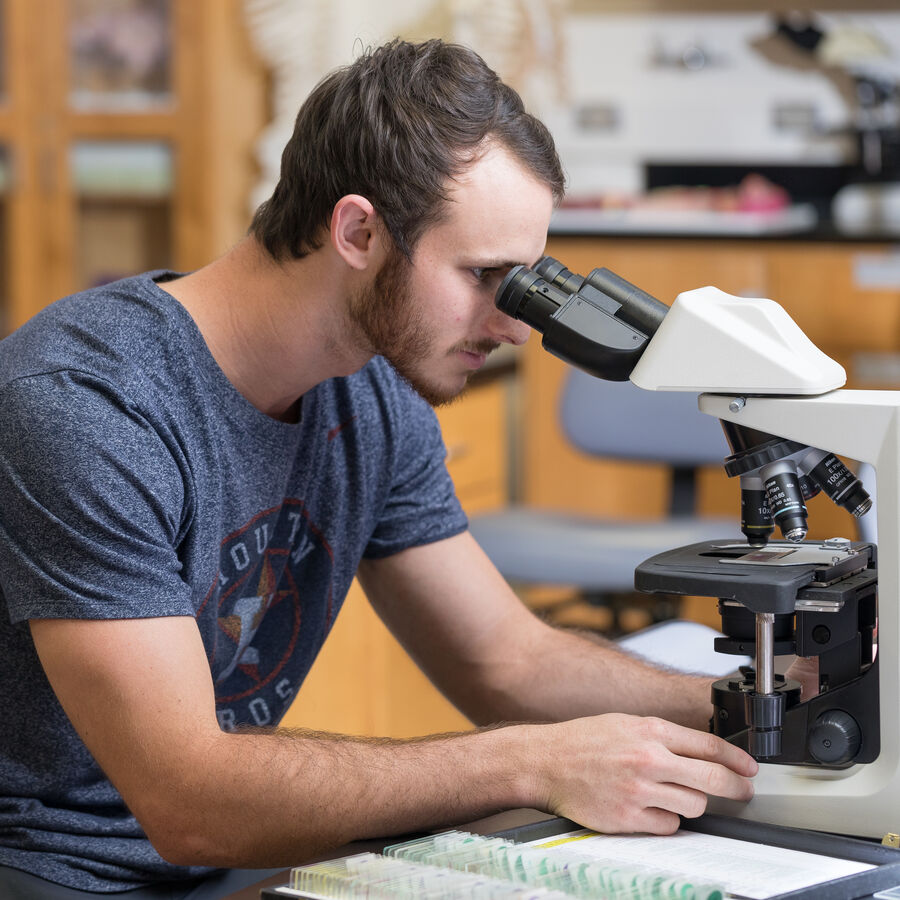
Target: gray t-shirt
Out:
[135,481]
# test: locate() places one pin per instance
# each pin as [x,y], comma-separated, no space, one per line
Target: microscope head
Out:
[708,341]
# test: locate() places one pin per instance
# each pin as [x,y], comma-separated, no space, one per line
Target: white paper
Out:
[742,868]
[685,646]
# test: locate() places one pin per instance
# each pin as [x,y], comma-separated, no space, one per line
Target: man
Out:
[194,467]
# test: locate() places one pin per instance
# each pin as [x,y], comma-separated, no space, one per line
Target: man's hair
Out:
[395,126]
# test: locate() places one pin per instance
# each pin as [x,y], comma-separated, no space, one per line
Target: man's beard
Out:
[386,314]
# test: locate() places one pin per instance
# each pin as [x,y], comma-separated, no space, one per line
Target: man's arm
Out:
[139,693]
[464,626]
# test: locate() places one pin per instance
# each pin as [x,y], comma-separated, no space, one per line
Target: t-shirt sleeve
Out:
[422,506]
[92,504]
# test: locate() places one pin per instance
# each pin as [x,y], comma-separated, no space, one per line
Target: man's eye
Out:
[489,276]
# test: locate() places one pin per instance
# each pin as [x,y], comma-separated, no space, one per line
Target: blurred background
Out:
[750,145]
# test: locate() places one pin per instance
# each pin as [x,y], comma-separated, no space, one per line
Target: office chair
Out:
[597,556]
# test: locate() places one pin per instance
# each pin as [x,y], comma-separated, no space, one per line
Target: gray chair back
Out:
[618,419]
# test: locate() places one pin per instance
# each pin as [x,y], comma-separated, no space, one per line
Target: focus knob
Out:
[835,738]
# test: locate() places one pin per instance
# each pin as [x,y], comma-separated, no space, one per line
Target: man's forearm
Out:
[461,622]
[278,798]
[139,694]
[281,798]
[560,674]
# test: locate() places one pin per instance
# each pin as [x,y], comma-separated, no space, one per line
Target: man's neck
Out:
[275,329]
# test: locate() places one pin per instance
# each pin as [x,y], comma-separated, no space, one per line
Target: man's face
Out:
[434,319]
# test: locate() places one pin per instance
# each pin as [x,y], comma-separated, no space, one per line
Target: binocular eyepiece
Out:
[601,323]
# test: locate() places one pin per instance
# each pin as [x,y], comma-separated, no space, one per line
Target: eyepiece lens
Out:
[513,289]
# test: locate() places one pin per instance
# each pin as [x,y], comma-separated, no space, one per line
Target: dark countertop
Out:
[812,189]
[824,232]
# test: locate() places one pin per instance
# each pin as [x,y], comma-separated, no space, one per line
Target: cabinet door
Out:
[852,316]
[363,681]
[124,153]
[21,260]
[842,309]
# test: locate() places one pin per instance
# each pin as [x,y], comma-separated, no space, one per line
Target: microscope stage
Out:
[764,579]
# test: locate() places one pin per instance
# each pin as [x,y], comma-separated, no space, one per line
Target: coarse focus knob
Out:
[835,738]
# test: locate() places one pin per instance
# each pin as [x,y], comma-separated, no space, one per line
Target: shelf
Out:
[112,169]
[162,124]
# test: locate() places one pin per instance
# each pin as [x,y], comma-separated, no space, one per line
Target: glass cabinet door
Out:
[120,54]
[123,223]
[108,113]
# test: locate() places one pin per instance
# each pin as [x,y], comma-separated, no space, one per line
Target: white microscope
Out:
[829,762]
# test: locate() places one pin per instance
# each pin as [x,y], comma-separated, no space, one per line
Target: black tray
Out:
[853,887]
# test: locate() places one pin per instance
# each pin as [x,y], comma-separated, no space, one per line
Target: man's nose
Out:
[508,330]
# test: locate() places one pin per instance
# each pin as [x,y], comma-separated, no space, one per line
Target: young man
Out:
[192,469]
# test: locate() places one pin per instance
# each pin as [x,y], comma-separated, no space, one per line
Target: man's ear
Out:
[356,231]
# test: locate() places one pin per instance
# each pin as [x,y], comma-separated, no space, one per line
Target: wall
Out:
[626,68]
[608,84]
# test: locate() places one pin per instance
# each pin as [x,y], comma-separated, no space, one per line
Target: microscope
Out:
[829,762]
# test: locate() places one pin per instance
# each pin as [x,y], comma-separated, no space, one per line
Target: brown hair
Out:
[395,126]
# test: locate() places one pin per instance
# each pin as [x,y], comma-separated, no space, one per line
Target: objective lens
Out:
[785,499]
[756,520]
[808,487]
[833,477]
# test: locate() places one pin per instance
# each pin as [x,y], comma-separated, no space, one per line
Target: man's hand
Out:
[620,773]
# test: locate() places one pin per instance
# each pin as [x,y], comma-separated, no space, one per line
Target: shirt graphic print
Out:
[259,594]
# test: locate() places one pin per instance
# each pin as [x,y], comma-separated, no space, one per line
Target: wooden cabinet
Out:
[363,682]
[814,282]
[126,138]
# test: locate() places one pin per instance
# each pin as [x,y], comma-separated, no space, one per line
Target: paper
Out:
[685,646]
[743,868]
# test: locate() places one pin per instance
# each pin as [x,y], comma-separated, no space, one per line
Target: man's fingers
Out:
[681,800]
[711,778]
[656,821]
[693,744]
[642,773]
